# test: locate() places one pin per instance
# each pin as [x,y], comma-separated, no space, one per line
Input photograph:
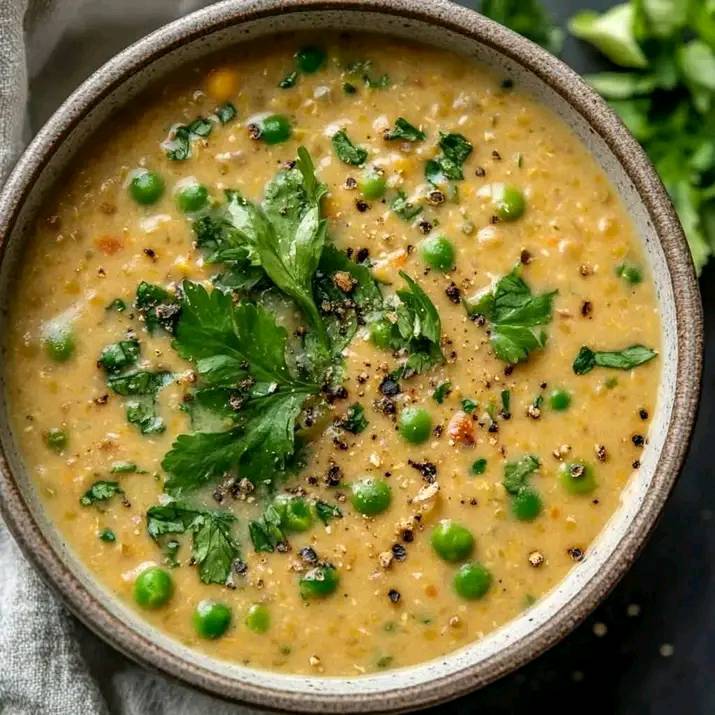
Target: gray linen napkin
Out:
[50,663]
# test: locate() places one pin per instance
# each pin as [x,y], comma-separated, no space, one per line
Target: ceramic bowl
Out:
[441,24]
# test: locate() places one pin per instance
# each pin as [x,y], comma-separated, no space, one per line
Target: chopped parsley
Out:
[479,466]
[515,315]
[157,306]
[363,70]
[214,548]
[447,165]
[516,474]
[141,388]
[99,492]
[625,359]
[354,420]
[469,405]
[236,345]
[347,152]
[405,131]
[406,210]
[117,356]
[442,391]
[327,512]
[177,146]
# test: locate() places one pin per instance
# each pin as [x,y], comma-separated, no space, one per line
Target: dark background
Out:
[649,648]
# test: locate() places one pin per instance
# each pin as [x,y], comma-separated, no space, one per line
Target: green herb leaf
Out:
[479,466]
[456,148]
[469,405]
[363,69]
[158,307]
[115,357]
[625,359]
[226,112]
[528,18]
[266,533]
[515,315]
[405,131]
[342,311]
[418,330]
[214,547]
[141,387]
[354,419]
[517,473]
[442,391]
[117,304]
[327,512]
[100,491]
[124,468]
[612,33]
[405,209]
[289,80]
[347,152]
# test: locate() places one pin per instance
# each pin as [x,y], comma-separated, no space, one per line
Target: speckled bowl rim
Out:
[605,124]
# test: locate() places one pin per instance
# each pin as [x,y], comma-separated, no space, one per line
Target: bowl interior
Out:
[442,25]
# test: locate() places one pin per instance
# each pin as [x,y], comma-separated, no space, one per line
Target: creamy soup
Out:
[332,358]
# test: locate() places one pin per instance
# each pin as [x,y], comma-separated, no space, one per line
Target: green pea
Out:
[479,466]
[371,496]
[509,203]
[146,187]
[472,581]
[438,252]
[258,618]
[319,582]
[153,587]
[310,59]
[526,504]
[56,439]
[59,343]
[192,197]
[415,424]
[452,541]
[275,129]
[381,333]
[107,535]
[577,477]
[296,514]
[372,185]
[212,619]
[630,273]
[560,400]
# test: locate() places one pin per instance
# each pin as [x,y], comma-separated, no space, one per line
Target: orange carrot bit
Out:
[109,245]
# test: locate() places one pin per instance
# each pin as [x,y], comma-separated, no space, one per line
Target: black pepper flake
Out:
[408,535]
[101,400]
[436,197]
[575,553]
[362,254]
[480,171]
[394,595]
[350,183]
[386,406]
[150,252]
[508,370]
[308,555]
[254,131]
[389,387]
[586,308]
[334,475]
[399,552]
[425,227]
[525,257]
[341,444]
[453,293]
[494,220]
[496,155]
[333,393]
[638,440]
[643,413]
[636,464]
[361,205]
[428,470]
[240,567]
[601,453]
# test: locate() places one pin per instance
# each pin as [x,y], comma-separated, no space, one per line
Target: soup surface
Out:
[333,358]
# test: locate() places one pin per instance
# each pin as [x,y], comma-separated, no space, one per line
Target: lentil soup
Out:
[332,358]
